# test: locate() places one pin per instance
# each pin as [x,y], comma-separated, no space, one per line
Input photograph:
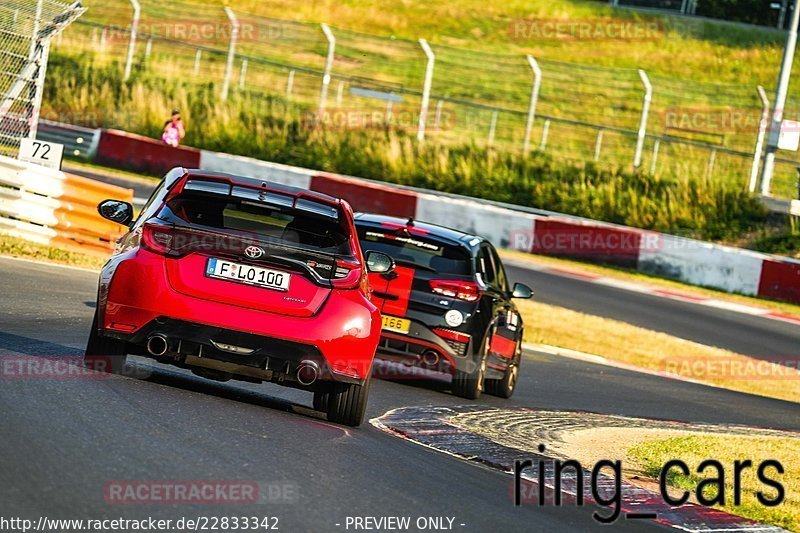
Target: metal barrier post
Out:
[426,88]
[231,51]
[598,145]
[545,131]
[648,96]
[762,132]
[537,82]
[326,76]
[132,41]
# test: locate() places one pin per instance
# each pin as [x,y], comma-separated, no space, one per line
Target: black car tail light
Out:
[463,290]
[455,339]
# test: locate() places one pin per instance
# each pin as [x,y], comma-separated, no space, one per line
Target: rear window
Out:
[285,225]
[418,252]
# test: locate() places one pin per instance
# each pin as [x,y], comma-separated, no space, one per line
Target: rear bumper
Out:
[411,348]
[137,301]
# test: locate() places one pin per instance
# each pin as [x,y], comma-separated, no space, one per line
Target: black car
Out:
[447,305]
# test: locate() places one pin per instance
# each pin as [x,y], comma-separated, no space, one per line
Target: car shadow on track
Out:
[19,344]
[411,377]
[225,390]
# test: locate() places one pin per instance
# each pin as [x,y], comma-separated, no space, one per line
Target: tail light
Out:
[165,240]
[457,341]
[452,335]
[348,274]
[463,290]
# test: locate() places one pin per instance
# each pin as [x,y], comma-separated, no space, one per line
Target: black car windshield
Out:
[264,222]
[417,251]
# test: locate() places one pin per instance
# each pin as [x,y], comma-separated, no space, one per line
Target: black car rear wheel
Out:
[345,403]
[504,388]
[469,385]
[104,354]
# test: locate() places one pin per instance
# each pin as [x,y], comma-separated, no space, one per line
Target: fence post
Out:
[226,82]
[762,132]
[492,127]
[648,96]
[545,131]
[712,158]
[197,56]
[132,41]
[243,74]
[537,83]
[438,115]
[35,31]
[598,145]
[426,89]
[41,71]
[289,85]
[339,93]
[326,76]
[147,49]
[656,146]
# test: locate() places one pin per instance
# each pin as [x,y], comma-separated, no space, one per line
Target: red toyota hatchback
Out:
[239,278]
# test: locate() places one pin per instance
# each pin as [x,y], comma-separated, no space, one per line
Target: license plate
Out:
[248,274]
[396,324]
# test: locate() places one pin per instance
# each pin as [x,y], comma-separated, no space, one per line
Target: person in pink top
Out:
[174,129]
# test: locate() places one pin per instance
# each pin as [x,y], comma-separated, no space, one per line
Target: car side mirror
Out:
[379,262]
[116,211]
[521,291]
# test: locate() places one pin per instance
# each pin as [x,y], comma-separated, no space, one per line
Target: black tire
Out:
[346,403]
[104,354]
[471,385]
[504,388]
[321,401]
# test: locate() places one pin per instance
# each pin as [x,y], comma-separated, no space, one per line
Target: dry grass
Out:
[548,324]
[16,247]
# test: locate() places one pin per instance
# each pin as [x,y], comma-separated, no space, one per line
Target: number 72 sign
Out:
[41,152]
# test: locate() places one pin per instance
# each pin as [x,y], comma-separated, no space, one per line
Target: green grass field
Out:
[478,62]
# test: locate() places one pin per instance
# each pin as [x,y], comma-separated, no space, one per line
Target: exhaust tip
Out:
[307,372]
[430,358]
[157,345]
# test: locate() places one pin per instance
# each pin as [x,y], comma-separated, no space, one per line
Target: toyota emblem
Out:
[253,252]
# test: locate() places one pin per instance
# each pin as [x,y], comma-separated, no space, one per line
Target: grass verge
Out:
[16,247]
[618,341]
[694,449]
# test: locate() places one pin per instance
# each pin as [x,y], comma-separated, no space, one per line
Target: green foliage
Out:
[266,127]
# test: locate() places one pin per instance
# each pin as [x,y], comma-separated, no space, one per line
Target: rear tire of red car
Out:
[345,403]
[104,354]
[321,401]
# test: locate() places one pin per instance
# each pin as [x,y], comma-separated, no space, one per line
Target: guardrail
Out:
[51,207]
[78,141]
[120,149]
